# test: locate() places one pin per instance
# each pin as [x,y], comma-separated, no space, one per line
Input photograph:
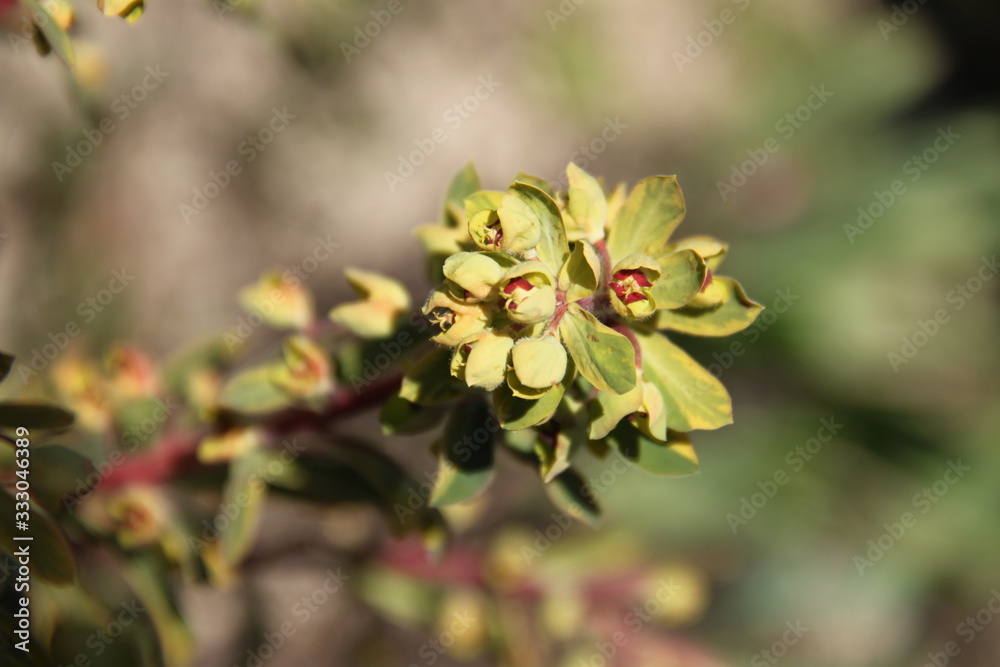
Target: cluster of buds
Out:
[548,295]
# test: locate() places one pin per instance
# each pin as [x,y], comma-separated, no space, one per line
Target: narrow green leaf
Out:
[401,417]
[602,355]
[673,458]
[254,391]
[736,312]
[245,490]
[462,185]
[571,494]
[149,576]
[694,398]
[57,471]
[650,214]
[465,456]
[682,274]
[429,381]
[32,415]
[569,439]
[54,34]
[6,363]
[51,558]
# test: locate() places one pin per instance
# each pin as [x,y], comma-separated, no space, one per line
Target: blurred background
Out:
[847,150]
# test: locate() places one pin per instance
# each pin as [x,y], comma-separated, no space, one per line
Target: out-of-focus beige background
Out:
[788,123]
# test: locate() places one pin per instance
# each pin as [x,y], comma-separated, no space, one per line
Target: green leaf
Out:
[515,413]
[569,439]
[465,456]
[401,417]
[355,471]
[537,182]
[255,392]
[650,214]
[571,494]
[462,185]
[53,33]
[607,409]
[6,363]
[673,458]
[603,356]
[587,204]
[553,249]
[57,471]
[482,199]
[149,576]
[429,380]
[32,415]
[580,275]
[682,274]
[736,312]
[245,491]
[693,397]
[51,559]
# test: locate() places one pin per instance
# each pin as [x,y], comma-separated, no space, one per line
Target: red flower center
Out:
[628,284]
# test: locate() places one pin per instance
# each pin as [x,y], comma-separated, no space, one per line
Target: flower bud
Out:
[539,363]
[527,293]
[138,515]
[229,445]
[307,372]
[481,360]
[281,303]
[383,302]
[475,273]
[632,286]
[453,320]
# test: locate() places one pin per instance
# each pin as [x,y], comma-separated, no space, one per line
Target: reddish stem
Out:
[175,452]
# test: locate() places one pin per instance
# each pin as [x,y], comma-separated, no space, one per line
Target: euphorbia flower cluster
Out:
[546,292]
